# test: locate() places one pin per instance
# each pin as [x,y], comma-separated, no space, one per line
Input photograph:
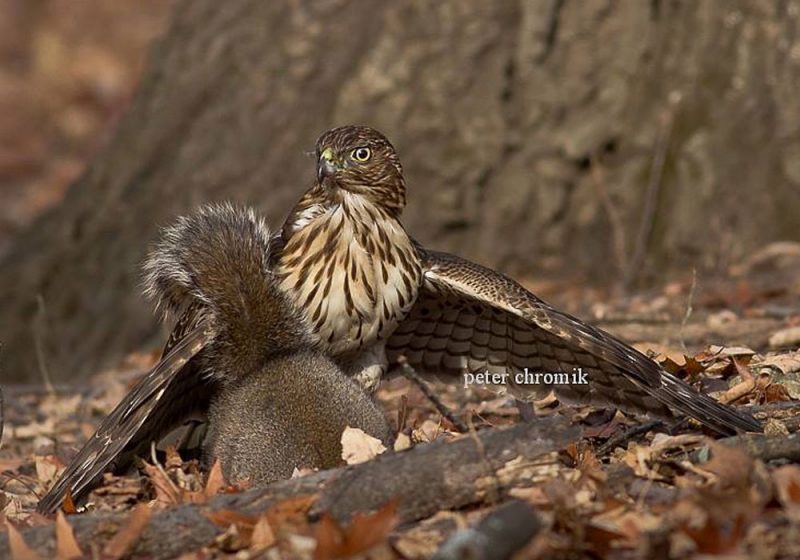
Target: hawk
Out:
[373,294]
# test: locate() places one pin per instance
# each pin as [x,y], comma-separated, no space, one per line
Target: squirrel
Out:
[241,353]
[279,403]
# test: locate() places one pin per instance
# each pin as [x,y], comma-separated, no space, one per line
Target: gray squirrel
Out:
[280,404]
[240,353]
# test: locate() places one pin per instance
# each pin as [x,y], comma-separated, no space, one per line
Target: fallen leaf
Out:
[359,447]
[732,465]
[711,538]
[166,491]
[238,526]
[68,503]
[291,510]
[46,470]
[30,431]
[216,481]
[66,546]
[785,338]
[363,533]
[402,442]
[725,351]
[224,518]
[263,536]
[173,460]
[787,483]
[786,363]
[126,537]
[19,548]
[427,432]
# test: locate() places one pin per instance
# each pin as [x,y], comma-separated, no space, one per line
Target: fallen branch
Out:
[759,447]
[441,475]
[622,439]
[499,535]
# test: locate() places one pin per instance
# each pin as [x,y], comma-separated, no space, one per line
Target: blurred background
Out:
[597,150]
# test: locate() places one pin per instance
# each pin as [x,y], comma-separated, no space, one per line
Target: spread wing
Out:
[469,318]
[134,417]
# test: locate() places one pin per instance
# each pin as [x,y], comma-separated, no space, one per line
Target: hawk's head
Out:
[360,160]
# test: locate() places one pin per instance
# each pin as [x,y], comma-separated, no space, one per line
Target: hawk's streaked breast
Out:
[352,268]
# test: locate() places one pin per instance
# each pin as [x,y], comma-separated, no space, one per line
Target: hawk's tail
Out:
[679,396]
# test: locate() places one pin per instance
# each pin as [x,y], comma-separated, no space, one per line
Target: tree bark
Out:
[599,139]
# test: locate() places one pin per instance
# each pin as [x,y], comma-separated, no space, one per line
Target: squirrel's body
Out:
[290,414]
[279,403]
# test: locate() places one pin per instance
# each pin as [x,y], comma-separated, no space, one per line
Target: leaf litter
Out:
[673,492]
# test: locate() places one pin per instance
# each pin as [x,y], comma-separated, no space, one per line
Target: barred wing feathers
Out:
[469,318]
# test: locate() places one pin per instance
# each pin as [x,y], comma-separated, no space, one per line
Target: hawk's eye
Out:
[361,154]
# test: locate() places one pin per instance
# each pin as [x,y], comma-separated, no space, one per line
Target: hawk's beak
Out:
[325,166]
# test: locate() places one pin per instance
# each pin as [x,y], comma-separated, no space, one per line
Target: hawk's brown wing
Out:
[469,318]
[134,416]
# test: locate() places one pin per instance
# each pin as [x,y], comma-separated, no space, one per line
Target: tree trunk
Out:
[601,139]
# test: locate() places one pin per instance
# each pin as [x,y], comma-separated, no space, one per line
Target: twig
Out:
[747,385]
[39,323]
[628,434]
[2,416]
[157,465]
[689,309]
[759,447]
[409,372]
[773,407]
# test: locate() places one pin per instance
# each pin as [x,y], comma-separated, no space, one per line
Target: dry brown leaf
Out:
[427,432]
[710,538]
[224,518]
[775,392]
[122,542]
[235,523]
[714,352]
[263,537]
[68,504]
[66,546]
[30,431]
[359,447]
[732,465]
[742,389]
[364,532]
[292,510]
[785,338]
[787,483]
[46,470]
[173,460]
[786,363]
[19,548]
[402,442]
[166,491]
[216,481]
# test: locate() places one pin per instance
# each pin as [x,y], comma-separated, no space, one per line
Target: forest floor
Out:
[661,491]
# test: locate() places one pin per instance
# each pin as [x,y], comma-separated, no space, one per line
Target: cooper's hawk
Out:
[372,294]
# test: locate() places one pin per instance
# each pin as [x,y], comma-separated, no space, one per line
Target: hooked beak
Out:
[325,166]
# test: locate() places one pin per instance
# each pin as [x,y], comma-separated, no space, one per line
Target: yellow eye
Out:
[361,154]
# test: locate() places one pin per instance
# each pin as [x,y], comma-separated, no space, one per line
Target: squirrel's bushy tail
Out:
[219,258]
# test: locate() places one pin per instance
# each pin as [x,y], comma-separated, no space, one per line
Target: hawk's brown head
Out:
[360,160]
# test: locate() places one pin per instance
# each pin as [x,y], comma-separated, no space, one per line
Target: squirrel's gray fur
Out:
[281,404]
